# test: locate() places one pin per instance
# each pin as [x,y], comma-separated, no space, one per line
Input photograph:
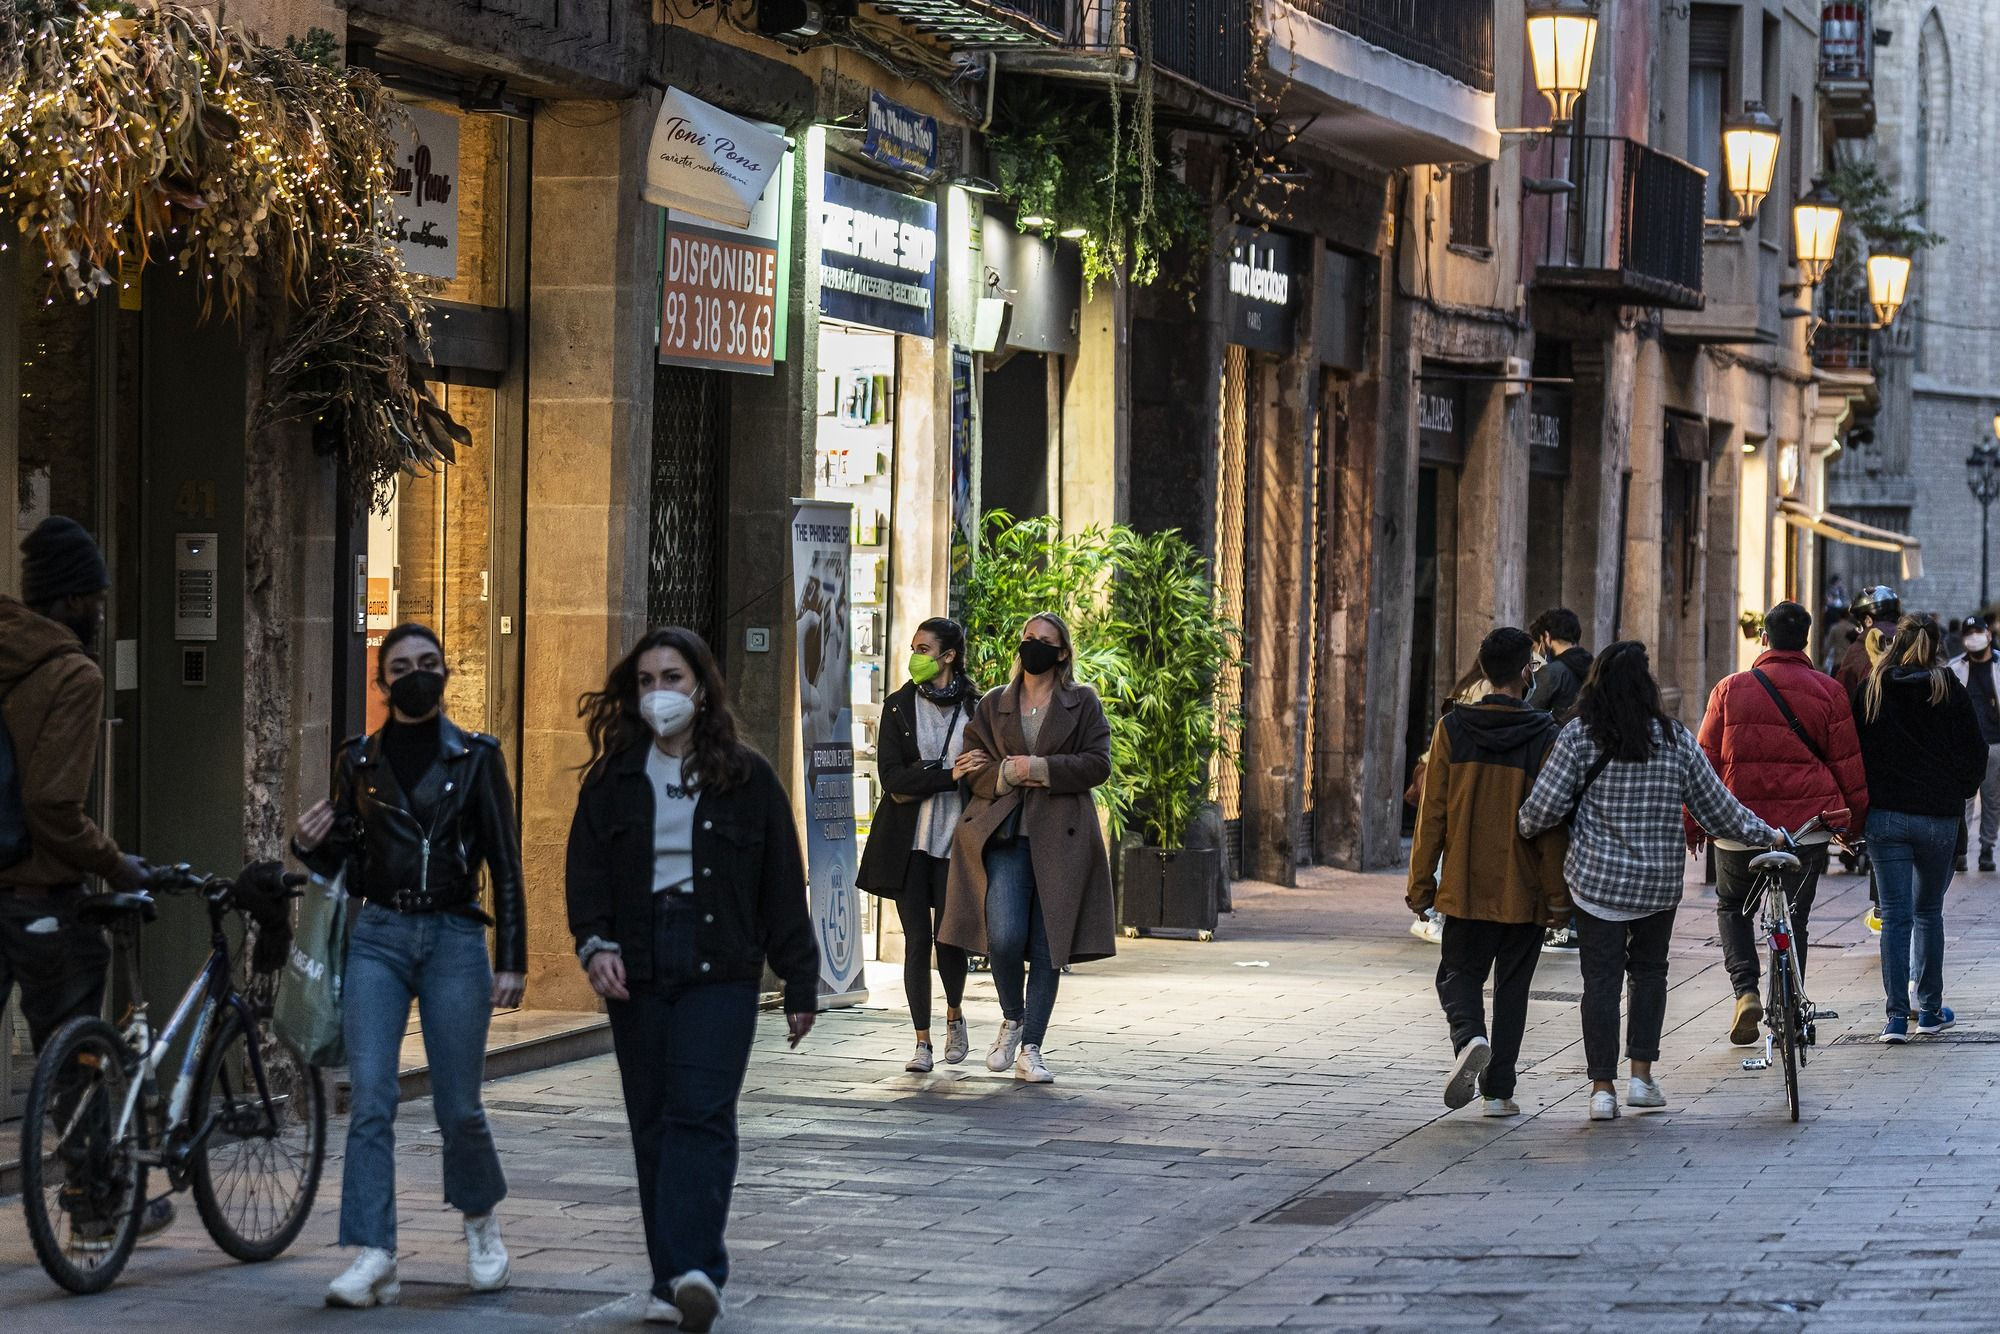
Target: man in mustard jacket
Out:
[1497,891]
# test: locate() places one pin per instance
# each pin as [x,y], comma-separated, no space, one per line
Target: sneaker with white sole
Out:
[956,1042]
[1560,940]
[1644,1093]
[1465,1071]
[1604,1106]
[1429,927]
[699,1301]
[1000,1056]
[920,1064]
[1500,1107]
[1029,1068]
[660,1311]
[369,1281]
[486,1263]
[1929,1023]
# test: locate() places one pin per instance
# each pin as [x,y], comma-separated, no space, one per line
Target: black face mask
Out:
[414,695]
[1038,658]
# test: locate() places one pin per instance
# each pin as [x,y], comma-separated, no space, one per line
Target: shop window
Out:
[1472,207]
[1711,48]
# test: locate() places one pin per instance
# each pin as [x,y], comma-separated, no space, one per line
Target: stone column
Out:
[589,429]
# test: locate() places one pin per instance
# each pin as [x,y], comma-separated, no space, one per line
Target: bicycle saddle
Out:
[104,909]
[1774,861]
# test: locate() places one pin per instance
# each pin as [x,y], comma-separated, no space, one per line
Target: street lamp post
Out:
[1982,477]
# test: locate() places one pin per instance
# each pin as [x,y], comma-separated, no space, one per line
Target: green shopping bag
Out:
[308,1010]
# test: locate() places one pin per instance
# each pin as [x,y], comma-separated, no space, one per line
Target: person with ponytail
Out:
[1620,774]
[684,877]
[921,754]
[1925,756]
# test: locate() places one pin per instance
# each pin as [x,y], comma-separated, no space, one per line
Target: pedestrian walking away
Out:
[922,760]
[51,715]
[1926,757]
[1497,891]
[1974,670]
[684,878]
[1781,737]
[1875,612]
[416,811]
[1561,665]
[1620,774]
[1030,880]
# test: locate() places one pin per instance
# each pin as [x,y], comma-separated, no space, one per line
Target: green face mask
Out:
[924,668]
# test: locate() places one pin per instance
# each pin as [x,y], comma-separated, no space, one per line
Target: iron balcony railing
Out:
[1846,42]
[1207,42]
[1453,37]
[1608,215]
[1845,341]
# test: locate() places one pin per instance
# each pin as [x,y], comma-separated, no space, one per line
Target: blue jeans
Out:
[683,1047]
[1913,861]
[439,960]
[1016,937]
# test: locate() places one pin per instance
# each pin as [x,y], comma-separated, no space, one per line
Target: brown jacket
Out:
[1072,872]
[52,697]
[1483,762]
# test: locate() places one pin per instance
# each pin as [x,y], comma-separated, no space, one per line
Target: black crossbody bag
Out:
[1798,728]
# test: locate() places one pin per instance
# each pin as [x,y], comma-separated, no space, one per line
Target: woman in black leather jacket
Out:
[417,809]
[684,876]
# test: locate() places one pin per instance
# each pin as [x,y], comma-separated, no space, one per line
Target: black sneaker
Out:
[97,1233]
[1559,940]
[1986,861]
[1959,867]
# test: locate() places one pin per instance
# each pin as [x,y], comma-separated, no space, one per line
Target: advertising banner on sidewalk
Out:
[821,601]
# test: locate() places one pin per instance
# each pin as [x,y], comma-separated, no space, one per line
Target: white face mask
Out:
[668,712]
[1977,642]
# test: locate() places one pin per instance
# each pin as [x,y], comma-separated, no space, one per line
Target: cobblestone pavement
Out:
[1245,1135]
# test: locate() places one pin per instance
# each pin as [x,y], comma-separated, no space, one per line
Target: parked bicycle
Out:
[1791,1020]
[244,1125]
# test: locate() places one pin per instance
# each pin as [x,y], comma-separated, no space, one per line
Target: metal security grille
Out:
[690,420]
[1333,406]
[1231,483]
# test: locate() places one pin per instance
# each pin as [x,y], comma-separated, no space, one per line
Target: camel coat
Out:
[1072,872]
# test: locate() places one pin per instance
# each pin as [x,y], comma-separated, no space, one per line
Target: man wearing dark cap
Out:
[1974,669]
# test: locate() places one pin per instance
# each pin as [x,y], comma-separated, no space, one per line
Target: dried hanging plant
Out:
[162,136]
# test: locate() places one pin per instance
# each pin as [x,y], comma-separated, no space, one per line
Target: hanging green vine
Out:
[1058,157]
[1874,219]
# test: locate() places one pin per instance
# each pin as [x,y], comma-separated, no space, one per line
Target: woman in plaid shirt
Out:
[1621,773]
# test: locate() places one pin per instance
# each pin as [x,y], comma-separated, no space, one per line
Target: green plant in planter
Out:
[1177,644]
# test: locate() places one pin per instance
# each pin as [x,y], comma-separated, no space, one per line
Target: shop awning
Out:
[1838,528]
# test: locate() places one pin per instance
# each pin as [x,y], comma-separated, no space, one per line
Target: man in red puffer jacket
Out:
[1786,774]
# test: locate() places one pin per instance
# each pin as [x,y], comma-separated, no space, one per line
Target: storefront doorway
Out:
[1433,614]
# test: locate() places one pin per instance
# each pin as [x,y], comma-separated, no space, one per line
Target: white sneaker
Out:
[956,1041]
[485,1254]
[699,1302]
[1005,1043]
[1604,1106]
[369,1281]
[1465,1071]
[1500,1107]
[1644,1093]
[920,1064]
[660,1311]
[1029,1069]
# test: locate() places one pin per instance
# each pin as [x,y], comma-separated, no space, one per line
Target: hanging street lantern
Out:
[1815,233]
[1888,284]
[1749,158]
[1562,38]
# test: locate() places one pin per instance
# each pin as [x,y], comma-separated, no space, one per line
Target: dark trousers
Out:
[1509,951]
[1609,953]
[683,1048]
[59,963]
[1734,883]
[920,907]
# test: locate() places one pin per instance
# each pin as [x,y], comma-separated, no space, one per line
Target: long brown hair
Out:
[717,760]
[1919,642]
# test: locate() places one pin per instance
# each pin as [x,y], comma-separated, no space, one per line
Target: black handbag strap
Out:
[1798,728]
[1589,776]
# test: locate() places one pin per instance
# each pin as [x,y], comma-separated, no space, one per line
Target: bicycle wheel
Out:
[83,1190]
[1786,1025]
[257,1155]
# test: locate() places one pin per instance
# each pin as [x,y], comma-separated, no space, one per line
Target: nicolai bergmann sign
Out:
[1260,311]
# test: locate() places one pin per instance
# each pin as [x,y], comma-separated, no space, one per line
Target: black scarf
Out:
[957,692]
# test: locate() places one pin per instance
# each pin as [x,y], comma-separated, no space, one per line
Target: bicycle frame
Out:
[1777,929]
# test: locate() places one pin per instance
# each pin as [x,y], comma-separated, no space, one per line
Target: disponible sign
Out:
[901,138]
[704,161]
[878,257]
[718,300]
[1262,292]
[423,176]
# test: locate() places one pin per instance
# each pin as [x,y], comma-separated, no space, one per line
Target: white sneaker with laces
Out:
[485,1254]
[1465,1071]
[1005,1043]
[699,1301]
[956,1041]
[920,1064]
[1644,1093]
[1029,1069]
[369,1281]
[660,1311]
[1501,1107]
[1604,1106]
